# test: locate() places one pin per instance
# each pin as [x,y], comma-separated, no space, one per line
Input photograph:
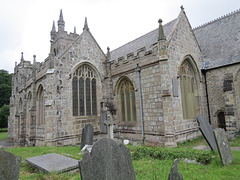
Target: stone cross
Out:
[107,161]
[110,123]
[9,165]
[87,135]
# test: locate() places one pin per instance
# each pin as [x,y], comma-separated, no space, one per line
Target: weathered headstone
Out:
[9,165]
[174,174]
[87,135]
[207,132]
[107,161]
[53,163]
[224,149]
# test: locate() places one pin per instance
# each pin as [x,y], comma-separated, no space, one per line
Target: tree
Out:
[5,87]
[4,113]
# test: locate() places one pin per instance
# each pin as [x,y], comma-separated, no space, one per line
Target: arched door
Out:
[221,120]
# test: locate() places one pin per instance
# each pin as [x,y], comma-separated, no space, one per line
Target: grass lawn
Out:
[3,135]
[145,168]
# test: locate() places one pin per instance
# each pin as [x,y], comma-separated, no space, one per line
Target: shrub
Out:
[204,157]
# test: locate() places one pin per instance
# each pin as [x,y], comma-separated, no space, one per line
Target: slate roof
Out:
[146,41]
[219,40]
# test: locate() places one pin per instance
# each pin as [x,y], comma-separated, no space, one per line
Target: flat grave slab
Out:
[207,132]
[223,146]
[53,163]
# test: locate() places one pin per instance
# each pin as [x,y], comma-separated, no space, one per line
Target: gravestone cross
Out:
[87,135]
[9,165]
[224,149]
[207,132]
[110,123]
[107,161]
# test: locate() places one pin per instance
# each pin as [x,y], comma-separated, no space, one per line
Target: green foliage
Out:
[203,157]
[4,113]
[236,141]
[5,87]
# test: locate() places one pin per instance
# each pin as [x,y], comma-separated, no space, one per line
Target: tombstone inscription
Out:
[107,161]
[224,149]
[9,165]
[207,132]
[87,135]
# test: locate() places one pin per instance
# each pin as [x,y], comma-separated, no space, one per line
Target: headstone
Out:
[207,132]
[53,163]
[107,161]
[174,174]
[9,165]
[223,146]
[87,135]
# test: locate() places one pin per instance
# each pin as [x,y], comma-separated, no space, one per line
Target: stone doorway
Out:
[221,120]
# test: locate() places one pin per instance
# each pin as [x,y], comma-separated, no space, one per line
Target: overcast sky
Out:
[25,25]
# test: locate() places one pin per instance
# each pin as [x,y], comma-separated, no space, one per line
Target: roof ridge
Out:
[217,19]
[142,36]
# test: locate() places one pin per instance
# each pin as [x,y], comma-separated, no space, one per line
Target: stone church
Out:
[152,88]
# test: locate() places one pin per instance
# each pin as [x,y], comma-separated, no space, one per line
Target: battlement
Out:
[131,56]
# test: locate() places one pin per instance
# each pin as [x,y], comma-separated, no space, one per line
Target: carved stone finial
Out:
[22,56]
[53,27]
[85,28]
[34,59]
[161,35]
[108,53]
[182,8]
[75,32]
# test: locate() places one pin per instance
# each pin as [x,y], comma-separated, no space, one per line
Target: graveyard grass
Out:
[146,168]
[3,135]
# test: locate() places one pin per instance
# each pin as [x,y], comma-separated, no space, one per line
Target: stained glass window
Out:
[84,91]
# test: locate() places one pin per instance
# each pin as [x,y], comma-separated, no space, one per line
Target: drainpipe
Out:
[138,70]
[205,79]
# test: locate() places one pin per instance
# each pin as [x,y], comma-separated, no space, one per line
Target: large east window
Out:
[84,92]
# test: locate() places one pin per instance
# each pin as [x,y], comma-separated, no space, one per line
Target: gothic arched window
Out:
[188,90]
[84,92]
[40,105]
[126,94]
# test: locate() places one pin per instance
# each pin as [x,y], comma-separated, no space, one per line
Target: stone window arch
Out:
[84,91]
[126,100]
[188,83]
[40,105]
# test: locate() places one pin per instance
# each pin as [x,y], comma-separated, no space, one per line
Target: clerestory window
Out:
[84,92]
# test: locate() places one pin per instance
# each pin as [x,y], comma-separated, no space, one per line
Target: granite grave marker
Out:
[9,165]
[224,149]
[174,174]
[207,132]
[53,163]
[107,161]
[87,135]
